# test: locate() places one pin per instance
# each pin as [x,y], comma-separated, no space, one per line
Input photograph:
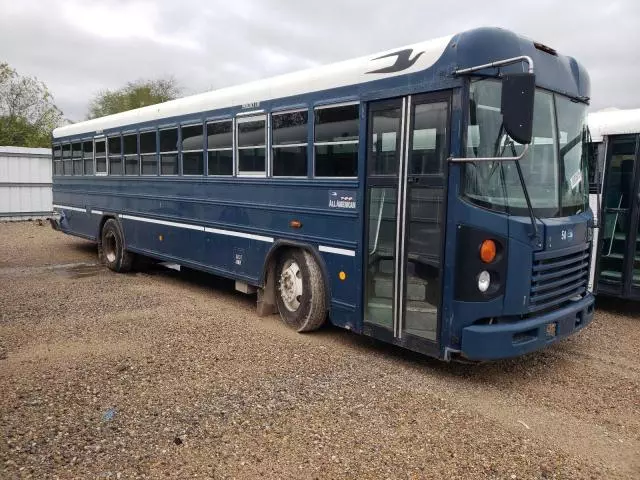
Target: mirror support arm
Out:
[520,176]
[498,63]
[527,199]
[489,159]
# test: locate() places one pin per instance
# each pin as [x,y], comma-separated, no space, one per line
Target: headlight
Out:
[484,279]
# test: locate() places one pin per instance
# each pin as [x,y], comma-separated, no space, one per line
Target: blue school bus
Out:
[432,196]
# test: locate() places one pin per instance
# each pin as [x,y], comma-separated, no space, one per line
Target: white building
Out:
[25,183]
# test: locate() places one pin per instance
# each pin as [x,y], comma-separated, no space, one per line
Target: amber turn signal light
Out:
[488,251]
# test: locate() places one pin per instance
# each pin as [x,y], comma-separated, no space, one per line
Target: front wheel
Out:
[112,250]
[300,291]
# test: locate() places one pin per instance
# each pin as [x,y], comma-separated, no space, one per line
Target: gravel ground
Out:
[155,374]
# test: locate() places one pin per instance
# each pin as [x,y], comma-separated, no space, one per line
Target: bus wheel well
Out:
[103,220]
[267,292]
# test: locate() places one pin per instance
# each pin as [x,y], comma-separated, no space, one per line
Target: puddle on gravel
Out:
[71,270]
[79,270]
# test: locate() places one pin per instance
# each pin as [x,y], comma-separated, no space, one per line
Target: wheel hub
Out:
[291,285]
[109,247]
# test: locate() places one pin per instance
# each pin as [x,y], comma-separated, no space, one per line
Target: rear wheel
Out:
[300,291]
[112,251]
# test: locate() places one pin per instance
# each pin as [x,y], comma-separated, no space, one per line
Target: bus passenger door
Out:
[620,245]
[406,153]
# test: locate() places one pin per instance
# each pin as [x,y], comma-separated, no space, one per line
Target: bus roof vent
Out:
[544,48]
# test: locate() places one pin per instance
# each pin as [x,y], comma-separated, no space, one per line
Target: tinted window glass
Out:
[67,167]
[100,148]
[58,168]
[192,163]
[57,151]
[290,161]
[251,160]
[148,142]
[192,137]
[220,135]
[339,160]
[169,140]
[289,128]
[428,142]
[131,165]
[101,165]
[77,167]
[76,150]
[337,124]
[88,166]
[115,147]
[149,164]
[251,133]
[115,165]
[66,150]
[130,144]
[87,149]
[385,141]
[169,164]
[220,162]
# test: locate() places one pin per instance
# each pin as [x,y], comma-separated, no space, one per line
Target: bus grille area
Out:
[558,276]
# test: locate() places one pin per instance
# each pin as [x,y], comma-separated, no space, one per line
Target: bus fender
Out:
[107,216]
[266,294]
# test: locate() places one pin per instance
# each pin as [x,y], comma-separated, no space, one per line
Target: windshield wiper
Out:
[514,158]
[532,215]
[510,143]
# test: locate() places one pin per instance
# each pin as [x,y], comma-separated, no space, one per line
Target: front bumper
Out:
[515,338]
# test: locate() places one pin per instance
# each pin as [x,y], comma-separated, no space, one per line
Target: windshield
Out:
[554,168]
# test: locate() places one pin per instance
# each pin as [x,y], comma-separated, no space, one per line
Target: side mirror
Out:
[518,91]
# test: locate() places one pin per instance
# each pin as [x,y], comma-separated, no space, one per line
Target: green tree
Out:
[140,93]
[27,112]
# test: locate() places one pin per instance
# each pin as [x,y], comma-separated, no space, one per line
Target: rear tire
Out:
[300,291]
[112,251]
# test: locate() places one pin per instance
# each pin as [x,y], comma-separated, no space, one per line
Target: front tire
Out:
[300,291]
[112,251]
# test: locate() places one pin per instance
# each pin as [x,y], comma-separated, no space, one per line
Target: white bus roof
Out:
[349,72]
[613,122]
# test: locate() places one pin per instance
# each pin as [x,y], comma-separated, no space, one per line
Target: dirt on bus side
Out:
[159,374]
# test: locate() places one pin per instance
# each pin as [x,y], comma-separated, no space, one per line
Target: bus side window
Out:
[130,142]
[57,159]
[148,154]
[192,150]
[289,143]
[251,148]
[336,141]
[169,151]
[67,166]
[100,147]
[76,154]
[220,148]
[114,151]
[87,156]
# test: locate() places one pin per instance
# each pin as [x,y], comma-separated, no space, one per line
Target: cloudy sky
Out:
[78,47]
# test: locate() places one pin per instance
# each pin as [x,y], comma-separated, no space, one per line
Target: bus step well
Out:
[421,317]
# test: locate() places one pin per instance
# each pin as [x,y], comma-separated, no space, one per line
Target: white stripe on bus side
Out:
[74,209]
[97,212]
[199,228]
[337,251]
[163,222]
[231,233]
